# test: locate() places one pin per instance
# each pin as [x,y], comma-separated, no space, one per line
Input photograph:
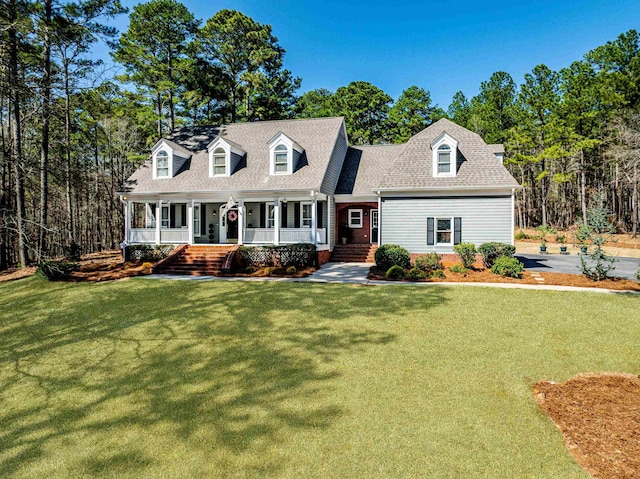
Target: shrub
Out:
[416,274]
[299,255]
[145,252]
[146,265]
[55,270]
[438,273]
[507,266]
[491,251]
[638,274]
[467,253]
[395,272]
[250,269]
[428,262]
[599,230]
[520,235]
[460,269]
[389,255]
[292,270]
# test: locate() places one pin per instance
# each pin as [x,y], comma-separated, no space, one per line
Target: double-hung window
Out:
[306,215]
[443,230]
[281,159]
[355,218]
[271,213]
[162,164]
[166,221]
[444,159]
[219,162]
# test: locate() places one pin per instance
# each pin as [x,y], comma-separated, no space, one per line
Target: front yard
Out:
[149,378]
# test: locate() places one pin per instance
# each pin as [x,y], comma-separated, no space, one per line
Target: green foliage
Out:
[56,270]
[292,270]
[315,104]
[389,255]
[520,235]
[297,255]
[491,251]
[638,274]
[428,262]
[437,274]
[143,252]
[459,269]
[600,230]
[365,108]
[410,114]
[544,231]
[467,253]
[395,272]
[416,274]
[507,266]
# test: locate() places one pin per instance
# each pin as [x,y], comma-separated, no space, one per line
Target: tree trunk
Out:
[635,206]
[583,188]
[159,104]
[16,133]
[67,141]
[44,145]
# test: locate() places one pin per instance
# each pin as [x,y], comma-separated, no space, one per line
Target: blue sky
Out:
[440,46]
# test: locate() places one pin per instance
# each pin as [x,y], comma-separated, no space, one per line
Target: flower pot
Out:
[343,240]
[563,249]
[583,249]
[543,249]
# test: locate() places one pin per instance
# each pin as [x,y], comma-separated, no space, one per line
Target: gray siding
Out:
[234,161]
[334,168]
[178,162]
[404,220]
[331,216]
[296,160]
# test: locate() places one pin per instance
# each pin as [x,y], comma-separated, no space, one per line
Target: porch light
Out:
[250,212]
[214,213]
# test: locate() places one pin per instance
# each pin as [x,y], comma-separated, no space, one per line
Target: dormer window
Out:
[281,159]
[444,159]
[444,149]
[162,164]
[219,162]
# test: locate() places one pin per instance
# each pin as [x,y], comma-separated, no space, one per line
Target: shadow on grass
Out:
[237,366]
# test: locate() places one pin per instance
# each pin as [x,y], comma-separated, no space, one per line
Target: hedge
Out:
[145,252]
[299,255]
[492,251]
[389,255]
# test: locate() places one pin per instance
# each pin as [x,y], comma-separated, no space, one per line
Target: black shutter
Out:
[319,218]
[430,232]
[203,219]
[263,214]
[283,215]
[172,216]
[184,215]
[296,216]
[457,230]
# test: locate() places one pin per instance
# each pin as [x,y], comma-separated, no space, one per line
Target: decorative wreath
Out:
[232,216]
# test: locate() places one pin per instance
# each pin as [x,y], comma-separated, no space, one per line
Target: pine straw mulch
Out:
[599,416]
[479,274]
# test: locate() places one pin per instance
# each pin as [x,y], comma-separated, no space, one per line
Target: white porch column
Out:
[190,220]
[127,221]
[158,220]
[240,222]
[276,222]
[314,218]
[379,220]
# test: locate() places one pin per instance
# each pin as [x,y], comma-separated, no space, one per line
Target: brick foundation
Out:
[323,257]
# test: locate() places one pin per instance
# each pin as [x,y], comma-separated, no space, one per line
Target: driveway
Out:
[556,263]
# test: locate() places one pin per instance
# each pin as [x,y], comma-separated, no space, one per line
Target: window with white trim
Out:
[355,218]
[166,219]
[271,213]
[219,160]
[444,230]
[306,215]
[281,159]
[444,159]
[196,220]
[162,164]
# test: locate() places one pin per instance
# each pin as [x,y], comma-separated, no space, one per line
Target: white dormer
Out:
[224,156]
[283,155]
[445,155]
[167,159]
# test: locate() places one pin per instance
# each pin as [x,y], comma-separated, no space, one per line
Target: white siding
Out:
[404,220]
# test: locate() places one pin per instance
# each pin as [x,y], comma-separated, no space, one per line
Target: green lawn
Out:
[171,379]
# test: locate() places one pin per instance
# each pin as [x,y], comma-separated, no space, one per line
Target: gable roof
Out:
[316,136]
[477,165]
[364,167]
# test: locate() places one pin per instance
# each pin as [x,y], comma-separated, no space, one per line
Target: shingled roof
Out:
[364,167]
[316,136]
[477,165]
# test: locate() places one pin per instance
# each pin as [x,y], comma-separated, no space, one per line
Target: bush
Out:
[438,273]
[416,274]
[428,262]
[146,265]
[520,235]
[250,269]
[145,252]
[395,272]
[56,270]
[467,253]
[299,255]
[638,274]
[389,255]
[292,270]
[507,266]
[73,251]
[460,269]
[492,251]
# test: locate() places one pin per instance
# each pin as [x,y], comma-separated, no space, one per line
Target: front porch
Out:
[272,222]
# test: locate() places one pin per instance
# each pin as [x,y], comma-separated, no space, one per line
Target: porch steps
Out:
[354,253]
[195,260]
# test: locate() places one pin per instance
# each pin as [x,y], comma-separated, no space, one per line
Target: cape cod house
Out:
[293,181]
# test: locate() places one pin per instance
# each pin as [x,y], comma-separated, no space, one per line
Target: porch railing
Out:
[142,235]
[287,235]
[167,235]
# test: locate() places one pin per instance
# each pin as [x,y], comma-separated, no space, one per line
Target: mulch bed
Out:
[483,275]
[270,272]
[599,416]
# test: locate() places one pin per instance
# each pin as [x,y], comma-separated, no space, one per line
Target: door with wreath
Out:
[233,220]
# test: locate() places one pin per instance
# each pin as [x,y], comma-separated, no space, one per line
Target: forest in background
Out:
[71,132]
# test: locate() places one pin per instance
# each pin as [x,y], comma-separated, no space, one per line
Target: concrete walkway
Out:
[356,273]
